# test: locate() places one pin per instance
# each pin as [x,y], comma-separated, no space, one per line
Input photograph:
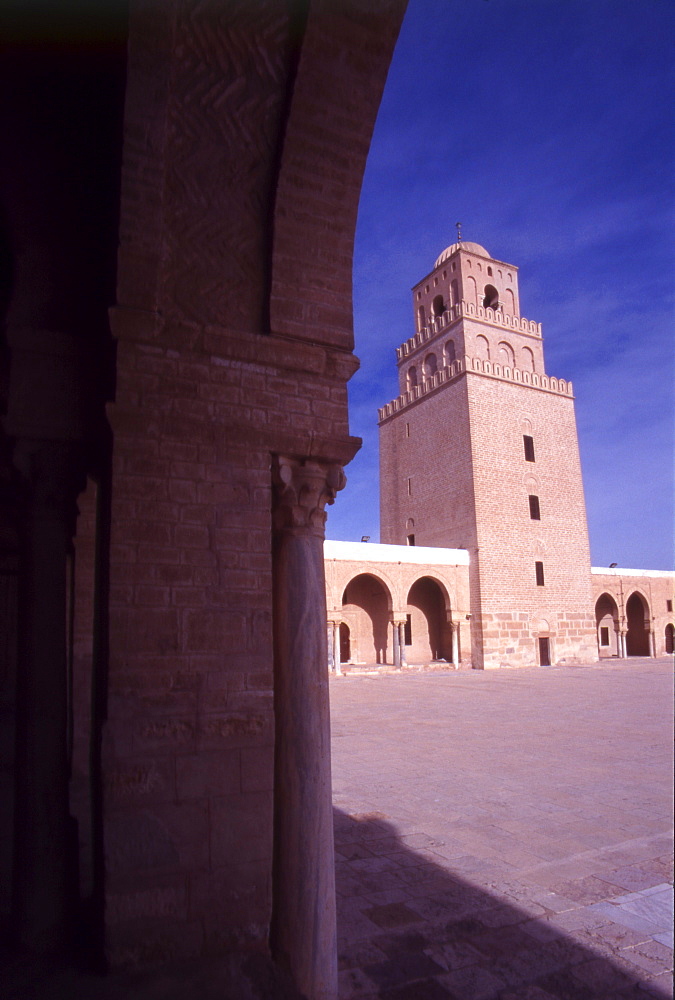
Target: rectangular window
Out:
[669,605]
[534,507]
[411,539]
[539,573]
[604,636]
[407,430]
[528,445]
[410,487]
[407,629]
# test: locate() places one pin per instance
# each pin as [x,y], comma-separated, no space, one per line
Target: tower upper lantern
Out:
[466,273]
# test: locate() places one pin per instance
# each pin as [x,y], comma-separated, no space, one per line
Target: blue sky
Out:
[546,128]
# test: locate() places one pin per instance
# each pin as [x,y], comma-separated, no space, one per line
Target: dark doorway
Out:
[637,617]
[544,651]
[345,643]
[365,605]
[430,637]
[670,638]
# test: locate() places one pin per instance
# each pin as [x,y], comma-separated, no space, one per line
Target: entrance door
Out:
[544,652]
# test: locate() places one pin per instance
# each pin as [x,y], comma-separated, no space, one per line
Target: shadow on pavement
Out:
[411,928]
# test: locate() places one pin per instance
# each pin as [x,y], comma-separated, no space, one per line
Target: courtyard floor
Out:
[505,834]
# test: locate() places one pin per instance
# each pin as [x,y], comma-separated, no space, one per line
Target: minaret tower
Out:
[479,451]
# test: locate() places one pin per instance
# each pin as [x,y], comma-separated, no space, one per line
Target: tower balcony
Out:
[477,366]
[467,310]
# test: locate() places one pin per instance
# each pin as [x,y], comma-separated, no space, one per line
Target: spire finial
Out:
[458,226]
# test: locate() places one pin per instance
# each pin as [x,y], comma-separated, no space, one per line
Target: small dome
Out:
[471,247]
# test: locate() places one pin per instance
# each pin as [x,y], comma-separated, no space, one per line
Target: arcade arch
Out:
[670,638]
[607,625]
[637,622]
[429,631]
[366,606]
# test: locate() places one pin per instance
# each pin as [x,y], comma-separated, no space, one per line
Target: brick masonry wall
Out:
[218,113]
[461,447]
[510,541]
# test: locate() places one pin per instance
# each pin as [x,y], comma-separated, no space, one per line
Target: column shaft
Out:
[43,883]
[303,932]
[401,642]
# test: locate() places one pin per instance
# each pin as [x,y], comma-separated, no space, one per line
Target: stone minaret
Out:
[479,451]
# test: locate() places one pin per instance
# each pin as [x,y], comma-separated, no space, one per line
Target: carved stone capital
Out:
[302,490]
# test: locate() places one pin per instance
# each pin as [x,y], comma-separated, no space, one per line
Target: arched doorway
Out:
[607,626]
[429,633]
[366,604]
[345,643]
[637,619]
[670,638]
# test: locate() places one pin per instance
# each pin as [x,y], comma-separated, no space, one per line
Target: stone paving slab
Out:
[505,834]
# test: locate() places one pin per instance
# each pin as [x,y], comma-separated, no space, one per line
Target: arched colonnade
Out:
[627,626]
[385,611]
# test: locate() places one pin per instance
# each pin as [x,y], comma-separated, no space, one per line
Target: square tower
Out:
[479,451]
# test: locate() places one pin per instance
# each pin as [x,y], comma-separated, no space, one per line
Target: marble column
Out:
[303,931]
[396,644]
[401,643]
[336,649]
[331,646]
[44,890]
[455,645]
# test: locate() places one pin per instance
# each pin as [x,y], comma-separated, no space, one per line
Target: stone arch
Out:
[637,625]
[607,626]
[449,352]
[430,632]
[454,292]
[421,318]
[366,609]
[670,638]
[527,359]
[490,298]
[471,290]
[482,348]
[509,302]
[505,354]
[430,365]
[411,377]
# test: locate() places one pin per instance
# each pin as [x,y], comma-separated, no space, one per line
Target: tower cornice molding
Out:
[467,366]
[476,314]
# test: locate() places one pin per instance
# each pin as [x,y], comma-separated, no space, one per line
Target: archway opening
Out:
[490,297]
[366,604]
[637,620]
[670,638]
[607,626]
[345,643]
[430,635]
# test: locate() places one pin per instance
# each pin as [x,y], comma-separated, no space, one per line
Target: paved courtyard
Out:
[505,834]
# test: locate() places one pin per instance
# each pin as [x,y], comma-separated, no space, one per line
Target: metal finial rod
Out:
[458,226]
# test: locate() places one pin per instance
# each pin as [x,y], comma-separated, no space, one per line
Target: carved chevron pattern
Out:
[226,100]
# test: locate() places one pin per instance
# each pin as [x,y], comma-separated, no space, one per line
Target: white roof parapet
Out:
[375,552]
[620,571]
